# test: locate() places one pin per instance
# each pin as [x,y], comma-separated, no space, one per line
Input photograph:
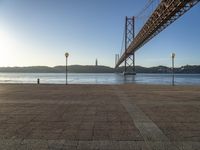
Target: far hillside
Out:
[195,69]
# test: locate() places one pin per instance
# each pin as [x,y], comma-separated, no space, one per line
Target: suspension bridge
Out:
[164,14]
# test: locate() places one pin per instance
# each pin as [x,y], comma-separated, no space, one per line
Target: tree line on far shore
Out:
[98,69]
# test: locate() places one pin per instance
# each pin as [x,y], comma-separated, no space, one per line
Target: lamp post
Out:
[173,56]
[66,55]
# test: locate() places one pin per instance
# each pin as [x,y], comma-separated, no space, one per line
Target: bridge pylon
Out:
[129,68]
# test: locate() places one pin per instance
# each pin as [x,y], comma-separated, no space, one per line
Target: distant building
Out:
[96,62]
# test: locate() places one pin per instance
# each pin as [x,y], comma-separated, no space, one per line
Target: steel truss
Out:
[166,13]
[129,68]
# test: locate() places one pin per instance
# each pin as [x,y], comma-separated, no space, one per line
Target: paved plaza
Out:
[99,117]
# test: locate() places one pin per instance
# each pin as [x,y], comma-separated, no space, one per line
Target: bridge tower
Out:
[129,68]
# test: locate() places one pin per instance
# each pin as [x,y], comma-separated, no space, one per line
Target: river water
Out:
[99,78]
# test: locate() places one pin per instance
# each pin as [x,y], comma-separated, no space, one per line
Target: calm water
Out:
[91,78]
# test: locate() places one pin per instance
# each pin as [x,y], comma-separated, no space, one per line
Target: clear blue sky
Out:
[39,32]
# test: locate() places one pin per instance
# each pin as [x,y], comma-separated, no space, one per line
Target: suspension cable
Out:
[149,3]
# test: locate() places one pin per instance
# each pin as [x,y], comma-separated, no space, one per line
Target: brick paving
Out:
[99,117]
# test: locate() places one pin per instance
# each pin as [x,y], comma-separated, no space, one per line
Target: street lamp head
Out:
[173,55]
[66,54]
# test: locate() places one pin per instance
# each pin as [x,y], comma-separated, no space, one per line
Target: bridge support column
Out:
[129,68]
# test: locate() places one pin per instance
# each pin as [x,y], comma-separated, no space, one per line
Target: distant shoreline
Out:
[188,69]
[99,73]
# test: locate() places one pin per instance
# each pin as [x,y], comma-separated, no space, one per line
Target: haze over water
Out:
[100,78]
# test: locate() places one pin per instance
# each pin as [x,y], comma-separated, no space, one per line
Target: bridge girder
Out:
[165,14]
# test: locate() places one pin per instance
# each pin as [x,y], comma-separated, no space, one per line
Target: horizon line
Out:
[95,65]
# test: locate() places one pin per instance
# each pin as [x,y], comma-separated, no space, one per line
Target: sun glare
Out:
[7,48]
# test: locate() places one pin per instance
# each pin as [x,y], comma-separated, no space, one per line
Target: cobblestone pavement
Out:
[99,117]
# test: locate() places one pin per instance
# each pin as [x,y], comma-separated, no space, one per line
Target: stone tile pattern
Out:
[93,117]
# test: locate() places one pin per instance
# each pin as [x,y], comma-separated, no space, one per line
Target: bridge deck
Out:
[103,117]
[166,13]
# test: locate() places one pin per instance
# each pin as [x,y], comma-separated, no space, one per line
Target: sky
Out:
[39,32]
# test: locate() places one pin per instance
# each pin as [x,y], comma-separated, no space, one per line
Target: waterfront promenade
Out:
[99,117]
